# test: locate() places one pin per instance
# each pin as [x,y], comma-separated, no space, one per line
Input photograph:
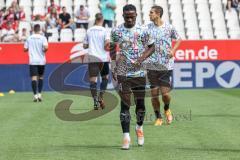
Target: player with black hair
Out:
[131,39]
[161,62]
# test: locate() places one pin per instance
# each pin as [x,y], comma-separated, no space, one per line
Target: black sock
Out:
[93,88]
[34,87]
[40,85]
[103,86]
[166,107]
[140,111]
[125,117]
[158,114]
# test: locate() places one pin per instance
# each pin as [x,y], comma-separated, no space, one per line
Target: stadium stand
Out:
[193,19]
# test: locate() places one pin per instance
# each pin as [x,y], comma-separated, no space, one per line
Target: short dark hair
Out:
[158,9]
[36,28]
[98,17]
[129,7]
[63,7]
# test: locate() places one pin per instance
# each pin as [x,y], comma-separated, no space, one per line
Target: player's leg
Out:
[153,77]
[140,113]
[93,73]
[125,117]
[41,70]
[165,89]
[156,105]
[138,89]
[34,76]
[103,86]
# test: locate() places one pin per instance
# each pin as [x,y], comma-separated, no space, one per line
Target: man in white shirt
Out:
[96,41]
[82,16]
[36,45]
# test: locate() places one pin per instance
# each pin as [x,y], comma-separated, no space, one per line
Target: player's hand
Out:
[139,62]
[170,54]
[114,76]
[113,68]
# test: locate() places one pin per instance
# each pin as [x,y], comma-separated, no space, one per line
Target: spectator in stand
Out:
[65,20]
[38,20]
[52,20]
[235,4]
[15,6]
[107,8]
[20,14]
[53,5]
[8,33]
[82,16]
[10,15]
[23,35]
[2,11]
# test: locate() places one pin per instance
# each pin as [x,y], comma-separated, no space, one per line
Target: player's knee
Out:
[140,106]
[154,99]
[124,106]
[126,99]
[166,97]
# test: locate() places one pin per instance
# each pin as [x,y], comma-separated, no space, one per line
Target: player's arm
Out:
[107,45]
[148,52]
[85,42]
[45,45]
[175,47]
[114,38]
[113,50]
[45,48]
[26,46]
[175,36]
[25,49]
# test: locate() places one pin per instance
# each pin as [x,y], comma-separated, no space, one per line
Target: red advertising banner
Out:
[57,53]
[188,51]
[208,50]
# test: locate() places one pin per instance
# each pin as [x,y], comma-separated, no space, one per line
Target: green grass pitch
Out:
[206,127]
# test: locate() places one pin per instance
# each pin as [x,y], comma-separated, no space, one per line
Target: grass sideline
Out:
[206,127]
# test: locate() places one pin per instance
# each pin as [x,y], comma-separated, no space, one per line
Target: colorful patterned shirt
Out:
[163,37]
[132,42]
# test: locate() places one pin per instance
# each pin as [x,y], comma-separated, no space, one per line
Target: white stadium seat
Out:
[193,19]
[66,35]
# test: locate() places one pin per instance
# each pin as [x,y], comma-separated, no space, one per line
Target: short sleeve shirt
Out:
[132,43]
[163,37]
[35,45]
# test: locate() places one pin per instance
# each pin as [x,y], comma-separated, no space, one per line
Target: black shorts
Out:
[134,84]
[36,70]
[160,78]
[98,67]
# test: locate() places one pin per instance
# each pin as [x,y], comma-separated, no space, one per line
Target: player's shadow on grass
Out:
[211,150]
